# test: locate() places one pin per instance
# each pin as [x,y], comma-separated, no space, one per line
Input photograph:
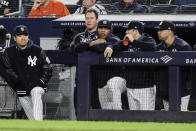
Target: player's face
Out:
[88,3]
[130,31]
[163,34]
[21,40]
[103,32]
[91,21]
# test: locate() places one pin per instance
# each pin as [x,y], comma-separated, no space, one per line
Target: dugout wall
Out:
[178,61]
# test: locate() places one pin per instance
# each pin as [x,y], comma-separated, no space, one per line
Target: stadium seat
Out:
[52,102]
[146,8]
[187,9]
[26,8]
[72,8]
[111,9]
[163,9]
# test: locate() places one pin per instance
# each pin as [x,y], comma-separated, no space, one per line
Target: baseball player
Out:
[137,81]
[29,69]
[171,42]
[81,41]
[105,38]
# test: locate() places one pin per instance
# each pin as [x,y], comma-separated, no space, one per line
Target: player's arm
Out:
[147,44]
[11,76]
[46,68]
[96,42]
[77,46]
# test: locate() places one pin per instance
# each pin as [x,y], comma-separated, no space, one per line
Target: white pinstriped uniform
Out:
[33,105]
[138,99]
[184,103]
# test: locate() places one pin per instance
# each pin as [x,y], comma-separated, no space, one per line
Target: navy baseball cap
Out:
[166,25]
[135,25]
[20,29]
[105,23]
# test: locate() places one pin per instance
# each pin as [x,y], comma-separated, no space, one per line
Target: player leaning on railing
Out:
[138,82]
[172,43]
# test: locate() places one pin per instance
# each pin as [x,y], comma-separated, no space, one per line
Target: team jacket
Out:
[81,41]
[137,77]
[177,45]
[144,43]
[126,9]
[110,40]
[27,68]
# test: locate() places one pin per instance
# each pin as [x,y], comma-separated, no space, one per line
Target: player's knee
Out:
[117,83]
[37,90]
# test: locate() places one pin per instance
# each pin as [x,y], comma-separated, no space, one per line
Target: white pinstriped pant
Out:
[183,106]
[138,99]
[33,105]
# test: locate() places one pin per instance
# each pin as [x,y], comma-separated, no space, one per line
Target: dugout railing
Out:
[173,60]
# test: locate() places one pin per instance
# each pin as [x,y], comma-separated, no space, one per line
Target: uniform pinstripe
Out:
[138,99]
[183,105]
[33,105]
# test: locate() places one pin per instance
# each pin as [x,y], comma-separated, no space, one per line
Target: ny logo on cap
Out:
[161,23]
[104,22]
[22,29]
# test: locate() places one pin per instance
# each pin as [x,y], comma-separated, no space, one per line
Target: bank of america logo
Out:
[166,59]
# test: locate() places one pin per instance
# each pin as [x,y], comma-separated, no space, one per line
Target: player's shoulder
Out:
[12,47]
[180,41]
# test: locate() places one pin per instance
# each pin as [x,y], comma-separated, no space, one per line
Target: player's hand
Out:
[108,52]
[130,37]
[36,4]
[98,41]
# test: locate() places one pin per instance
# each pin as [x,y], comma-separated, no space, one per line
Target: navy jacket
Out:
[27,68]
[110,40]
[126,9]
[177,45]
[81,41]
[144,43]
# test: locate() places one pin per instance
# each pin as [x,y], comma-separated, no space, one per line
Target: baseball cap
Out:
[20,29]
[105,23]
[166,25]
[135,25]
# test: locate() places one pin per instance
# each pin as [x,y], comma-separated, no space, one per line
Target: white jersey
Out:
[99,8]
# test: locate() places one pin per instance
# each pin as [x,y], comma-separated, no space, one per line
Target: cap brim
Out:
[21,33]
[104,27]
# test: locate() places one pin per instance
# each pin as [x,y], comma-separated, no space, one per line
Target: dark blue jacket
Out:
[81,41]
[27,68]
[110,40]
[184,2]
[177,45]
[126,9]
[144,43]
